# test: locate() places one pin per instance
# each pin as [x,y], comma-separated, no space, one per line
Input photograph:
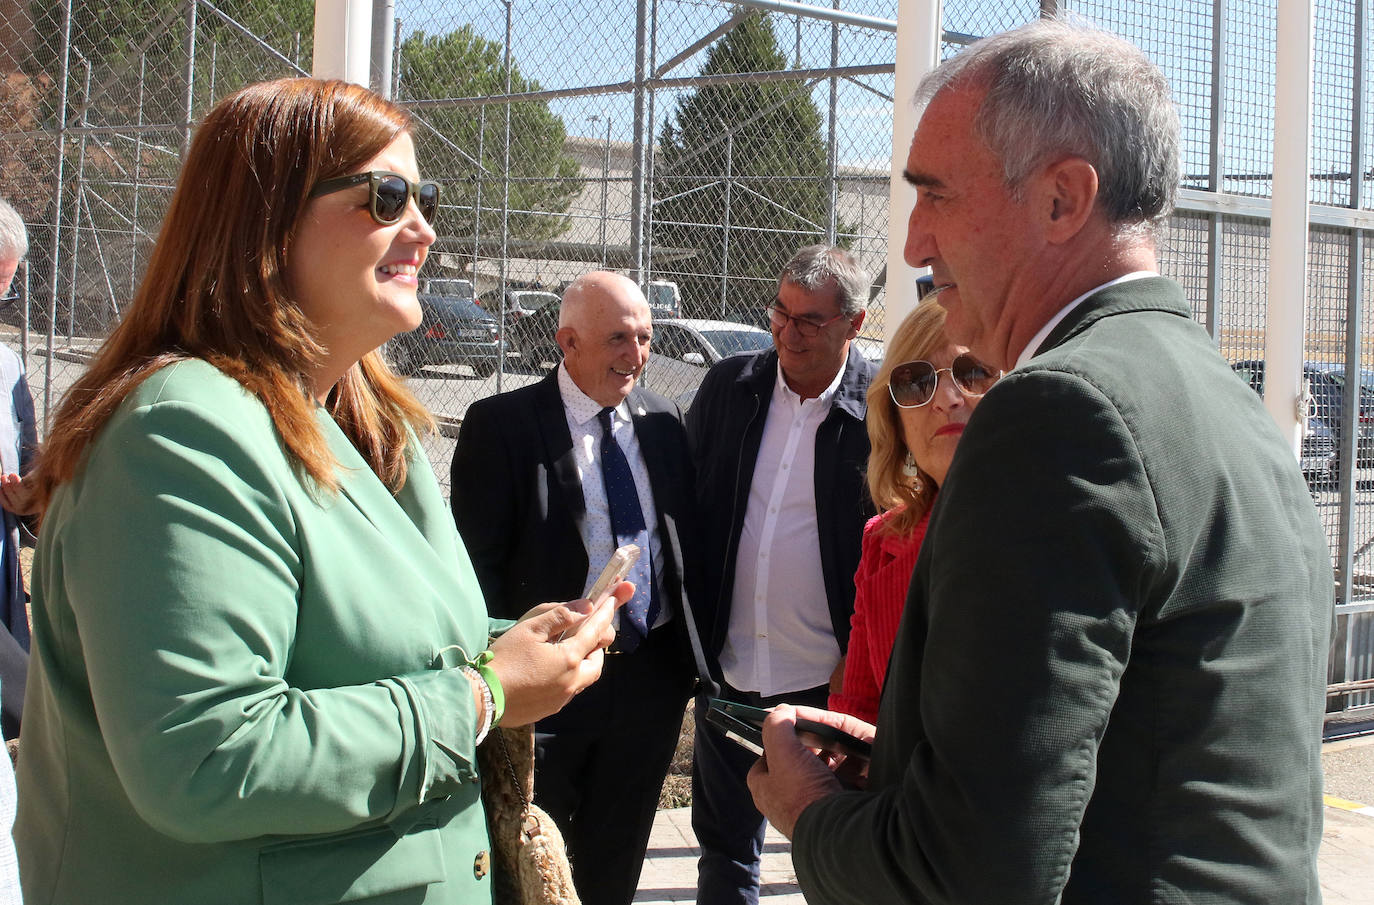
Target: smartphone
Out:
[617,567]
[744,725]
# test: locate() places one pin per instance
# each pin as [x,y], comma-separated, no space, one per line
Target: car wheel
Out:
[484,368]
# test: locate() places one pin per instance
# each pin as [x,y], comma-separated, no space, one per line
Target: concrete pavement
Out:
[1345,861]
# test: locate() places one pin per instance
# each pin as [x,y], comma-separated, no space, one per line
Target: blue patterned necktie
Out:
[627,524]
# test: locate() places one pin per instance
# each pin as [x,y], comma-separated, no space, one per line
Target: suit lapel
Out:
[361,488]
[552,422]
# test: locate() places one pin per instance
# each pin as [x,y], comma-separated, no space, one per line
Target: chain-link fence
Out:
[695,143]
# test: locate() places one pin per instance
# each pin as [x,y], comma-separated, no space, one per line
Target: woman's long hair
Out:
[921,335]
[216,285]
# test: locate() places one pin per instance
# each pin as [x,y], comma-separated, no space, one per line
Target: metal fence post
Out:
[1215,221]
[641,129]
[505,206]
[831,144]
[63,79]
[192,7]
[76,208]
[1343,643]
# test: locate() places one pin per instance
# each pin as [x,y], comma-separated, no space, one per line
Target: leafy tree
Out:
[544,179]
[766,135]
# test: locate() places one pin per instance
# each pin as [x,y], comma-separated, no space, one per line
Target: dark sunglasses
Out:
[913,383]
[388,194]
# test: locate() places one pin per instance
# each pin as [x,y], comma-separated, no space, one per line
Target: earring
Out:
[909,467]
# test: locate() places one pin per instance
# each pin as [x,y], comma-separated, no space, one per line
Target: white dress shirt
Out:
[780,636]
[598,538]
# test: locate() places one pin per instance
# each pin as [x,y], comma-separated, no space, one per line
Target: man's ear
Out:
[1069,196]
[567,339]
[855,323]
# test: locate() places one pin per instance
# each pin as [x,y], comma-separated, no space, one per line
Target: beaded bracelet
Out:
[488,705]
[482,663]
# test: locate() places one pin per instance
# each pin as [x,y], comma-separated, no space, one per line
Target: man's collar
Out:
[579,405]
[1043,333]
[826,395]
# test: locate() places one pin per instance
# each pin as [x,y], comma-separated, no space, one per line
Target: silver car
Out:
[684,348]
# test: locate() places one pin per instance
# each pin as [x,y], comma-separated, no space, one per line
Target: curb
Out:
[1343,804]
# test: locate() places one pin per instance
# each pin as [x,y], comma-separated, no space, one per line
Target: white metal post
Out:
[343,40]
[1283,336]
[918,50]
[383,48]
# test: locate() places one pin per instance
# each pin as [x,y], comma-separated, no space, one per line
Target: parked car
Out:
[452,331]
[665,299]
[533,337]
[683,349]
[519,303]
[453,287]
[1365,445]
[1321,442]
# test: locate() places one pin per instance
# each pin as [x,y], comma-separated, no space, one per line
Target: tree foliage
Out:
[544,179]
[767,136]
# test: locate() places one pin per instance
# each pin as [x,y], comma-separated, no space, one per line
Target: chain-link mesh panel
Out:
[1184,258]
[701,149]
[1332,103]
[98,110]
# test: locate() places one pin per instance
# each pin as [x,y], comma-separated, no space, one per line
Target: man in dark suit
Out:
[1108,683]
[545,479]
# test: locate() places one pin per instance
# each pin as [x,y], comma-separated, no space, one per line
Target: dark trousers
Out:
[600,763]
[728,827]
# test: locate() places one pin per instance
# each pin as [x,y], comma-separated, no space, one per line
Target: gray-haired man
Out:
[780,448]
[18,442]
[1109,679]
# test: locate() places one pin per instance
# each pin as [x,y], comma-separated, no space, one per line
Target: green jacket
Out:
[1109,680]
[240,689]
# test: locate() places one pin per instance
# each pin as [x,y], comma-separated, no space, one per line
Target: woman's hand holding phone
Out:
[553,652]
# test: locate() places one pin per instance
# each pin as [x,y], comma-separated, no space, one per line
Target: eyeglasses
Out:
[807,328]
[913,383]
[388,194]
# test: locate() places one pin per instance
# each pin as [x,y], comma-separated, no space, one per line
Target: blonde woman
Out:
[918,404]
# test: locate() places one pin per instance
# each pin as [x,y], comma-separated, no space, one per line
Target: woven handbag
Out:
[529,860]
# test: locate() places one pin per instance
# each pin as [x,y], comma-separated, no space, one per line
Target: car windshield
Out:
[732,342]
[535,300]
[461,307]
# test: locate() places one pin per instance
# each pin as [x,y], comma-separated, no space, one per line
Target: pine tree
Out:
[544,179]
[767,136]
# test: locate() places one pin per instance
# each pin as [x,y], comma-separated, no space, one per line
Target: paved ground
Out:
[1346,859]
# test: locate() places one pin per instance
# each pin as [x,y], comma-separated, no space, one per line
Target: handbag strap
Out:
[526,797]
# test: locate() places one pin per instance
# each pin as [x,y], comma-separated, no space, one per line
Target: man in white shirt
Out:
[780,447]
[547,481]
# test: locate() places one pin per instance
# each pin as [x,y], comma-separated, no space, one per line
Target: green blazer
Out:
[242,688]
[1109,679]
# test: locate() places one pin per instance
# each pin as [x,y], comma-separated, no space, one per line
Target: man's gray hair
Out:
[14,239]
[815,265]
[1058,88]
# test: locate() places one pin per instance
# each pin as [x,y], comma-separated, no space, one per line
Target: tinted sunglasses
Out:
[388,194]
[806,327]
[912,384]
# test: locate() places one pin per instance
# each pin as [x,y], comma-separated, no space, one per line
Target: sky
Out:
[572,43]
